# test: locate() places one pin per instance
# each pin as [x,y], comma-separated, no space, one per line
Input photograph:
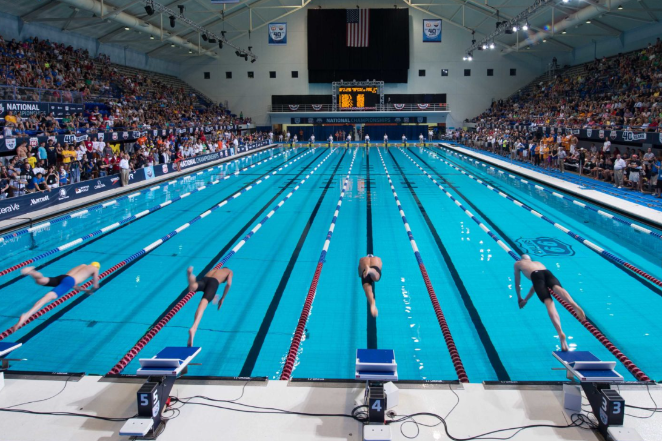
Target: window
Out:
[490,72]
[444,72]
[272,74]
[295,74]
[467,72]
[421,72]
[228,75]
[251,74]
[513,72]
[207,75]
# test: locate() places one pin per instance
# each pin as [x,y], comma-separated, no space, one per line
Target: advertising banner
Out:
[431,31]
[27,108]
[278,34]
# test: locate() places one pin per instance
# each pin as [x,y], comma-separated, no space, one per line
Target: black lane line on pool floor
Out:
[251,358]
[89,242]
[643,281]
[490,349]
[486,219]
[371,321]
[103,282]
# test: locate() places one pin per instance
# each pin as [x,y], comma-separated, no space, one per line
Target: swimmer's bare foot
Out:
[191,334]
[192,284]
[21,322]
[27,270]
[564,345]
[373,310]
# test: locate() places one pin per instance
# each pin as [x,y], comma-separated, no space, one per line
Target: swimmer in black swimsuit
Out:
[61,285]
[543,280]
[370,271]
[208,285]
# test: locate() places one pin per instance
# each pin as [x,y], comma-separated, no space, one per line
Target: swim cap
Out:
[96,264]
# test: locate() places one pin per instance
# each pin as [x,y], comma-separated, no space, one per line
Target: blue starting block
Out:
[595,377]
[376,364]
[161,371]
[5,348]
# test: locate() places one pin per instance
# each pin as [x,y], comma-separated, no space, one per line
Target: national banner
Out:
[278,34]
[358,27]
[431,31]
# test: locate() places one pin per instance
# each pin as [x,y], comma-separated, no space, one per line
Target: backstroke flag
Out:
[431,31]
[358,27]
[278,33]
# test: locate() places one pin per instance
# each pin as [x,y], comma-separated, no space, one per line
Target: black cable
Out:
[45,399]
[652,410]
[450,387]
[82,415]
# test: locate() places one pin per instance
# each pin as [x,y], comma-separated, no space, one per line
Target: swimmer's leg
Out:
[192,282]
[198,316]
[37,306]
[556,321]
[367,287]
[563,293]
[36,275]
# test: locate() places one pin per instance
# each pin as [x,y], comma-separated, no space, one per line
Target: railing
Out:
[17,93]
[390,107]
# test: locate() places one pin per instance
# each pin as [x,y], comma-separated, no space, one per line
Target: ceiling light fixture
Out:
[172,21]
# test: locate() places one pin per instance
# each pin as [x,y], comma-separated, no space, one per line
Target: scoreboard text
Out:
[358,97]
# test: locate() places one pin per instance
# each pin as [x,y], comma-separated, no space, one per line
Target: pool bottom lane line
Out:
[634,370]
[371,322]
[290,360]
[445,330]
[155,329]
[490,349]
[258,341]
[137,256]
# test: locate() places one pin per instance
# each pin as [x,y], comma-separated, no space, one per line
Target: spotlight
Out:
[172,21]
[515,28]
[237,53]
[464,58]
[220,45]
[566,1]
[172,44]
[250,48]
[149,9]
[253,60]
[484,46]
[212,40]
[190,51]
[620,7]
[470,58]
[564,32]
[588,21]
[127,28]
[223,33]
[525,27]
[492,45]
[182,8]
[151,37]
[245,57]
[544,41]
[204,37]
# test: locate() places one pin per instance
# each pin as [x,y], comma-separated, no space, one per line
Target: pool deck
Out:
[558,180]
[41,215]
[480,409]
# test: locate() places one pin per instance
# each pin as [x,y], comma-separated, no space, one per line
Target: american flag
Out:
[358,27]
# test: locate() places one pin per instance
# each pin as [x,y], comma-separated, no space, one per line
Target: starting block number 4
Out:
[376,410]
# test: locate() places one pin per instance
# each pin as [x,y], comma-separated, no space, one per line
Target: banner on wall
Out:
[431,31]
[278,33]
[27,108]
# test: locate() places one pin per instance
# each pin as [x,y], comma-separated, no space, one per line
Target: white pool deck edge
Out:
[42,215]
[480,409]
[635,210]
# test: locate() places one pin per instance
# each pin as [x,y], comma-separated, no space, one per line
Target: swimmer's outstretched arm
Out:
[85,290]
[522,302]
[228,284]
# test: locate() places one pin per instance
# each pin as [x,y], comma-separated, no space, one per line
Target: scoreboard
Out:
[359,97]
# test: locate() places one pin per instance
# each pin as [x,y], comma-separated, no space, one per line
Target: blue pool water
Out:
[251,334]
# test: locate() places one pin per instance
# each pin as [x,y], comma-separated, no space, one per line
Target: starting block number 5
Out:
[145,402]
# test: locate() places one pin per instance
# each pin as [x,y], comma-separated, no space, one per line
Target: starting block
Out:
[595,377]
[161,371]
[5,348]
[376,366]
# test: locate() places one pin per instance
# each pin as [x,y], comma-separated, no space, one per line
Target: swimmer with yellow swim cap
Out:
[60,284]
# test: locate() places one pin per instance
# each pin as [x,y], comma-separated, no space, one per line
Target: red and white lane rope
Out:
[136,216]
[149,248]
[445,330]
[290,362]
[636,372]
[175,309]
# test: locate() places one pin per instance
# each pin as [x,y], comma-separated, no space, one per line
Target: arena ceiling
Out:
[126,22]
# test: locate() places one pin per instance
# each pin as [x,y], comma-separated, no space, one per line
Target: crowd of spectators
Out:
[41,70]
[622,92]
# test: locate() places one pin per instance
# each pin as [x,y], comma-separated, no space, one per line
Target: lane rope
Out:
[577,237]
[445,330]
[149,335]
[128,219]
[38,227]
[290,361]
[149,248]
[634,370]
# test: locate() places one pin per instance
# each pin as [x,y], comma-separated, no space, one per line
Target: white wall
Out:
[467,96]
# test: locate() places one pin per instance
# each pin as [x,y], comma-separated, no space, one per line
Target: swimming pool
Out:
[470,273]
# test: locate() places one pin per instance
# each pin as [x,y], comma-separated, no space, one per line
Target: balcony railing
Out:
[17,93]
[390,107]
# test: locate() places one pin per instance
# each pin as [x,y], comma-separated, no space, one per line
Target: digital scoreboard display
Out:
[355,98]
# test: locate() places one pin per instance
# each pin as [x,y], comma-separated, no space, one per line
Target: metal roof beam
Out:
[30,16]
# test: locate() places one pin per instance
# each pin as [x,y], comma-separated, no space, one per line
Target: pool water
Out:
[252,332]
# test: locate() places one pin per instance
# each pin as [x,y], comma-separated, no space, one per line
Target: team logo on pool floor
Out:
[545,246]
